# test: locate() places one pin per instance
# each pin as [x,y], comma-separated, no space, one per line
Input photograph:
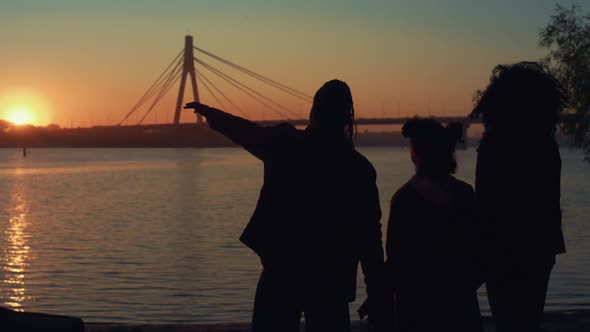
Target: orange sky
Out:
[78,64]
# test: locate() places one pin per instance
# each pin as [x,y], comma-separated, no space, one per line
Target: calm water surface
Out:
[151,235]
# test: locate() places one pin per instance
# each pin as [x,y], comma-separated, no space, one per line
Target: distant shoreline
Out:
[156,136]
[163,136]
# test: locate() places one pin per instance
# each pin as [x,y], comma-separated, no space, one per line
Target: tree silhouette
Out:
[567,36]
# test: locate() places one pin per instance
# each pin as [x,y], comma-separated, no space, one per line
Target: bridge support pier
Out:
[188,69]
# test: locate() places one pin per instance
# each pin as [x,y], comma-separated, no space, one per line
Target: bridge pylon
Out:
[188,69]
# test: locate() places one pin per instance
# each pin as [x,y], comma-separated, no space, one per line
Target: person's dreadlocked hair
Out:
[434,144]
[333,109]
[521,98]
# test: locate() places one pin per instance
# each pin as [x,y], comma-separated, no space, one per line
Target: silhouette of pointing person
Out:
[317,216]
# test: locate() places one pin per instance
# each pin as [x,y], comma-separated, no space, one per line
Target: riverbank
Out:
[575,321]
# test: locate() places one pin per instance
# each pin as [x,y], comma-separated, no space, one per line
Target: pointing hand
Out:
[197,106]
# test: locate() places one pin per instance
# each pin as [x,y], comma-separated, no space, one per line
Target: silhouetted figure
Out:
[518,191]
[433,237]
[318,214]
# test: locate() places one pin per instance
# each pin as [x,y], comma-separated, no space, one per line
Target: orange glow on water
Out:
[16,254]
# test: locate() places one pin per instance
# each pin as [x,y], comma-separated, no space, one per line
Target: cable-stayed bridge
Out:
[184,66]
[199,69]
[209,78]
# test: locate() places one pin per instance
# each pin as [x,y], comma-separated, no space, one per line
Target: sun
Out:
[20,115]
[25,107]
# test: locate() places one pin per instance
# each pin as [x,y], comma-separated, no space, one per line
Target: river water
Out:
[151,235]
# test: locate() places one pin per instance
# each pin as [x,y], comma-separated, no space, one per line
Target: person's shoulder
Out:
[283,133]
[493,143]
[284,128]
[402,192]
[363,164]
[462,186]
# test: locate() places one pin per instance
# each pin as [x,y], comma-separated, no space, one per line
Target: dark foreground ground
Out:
[577,321]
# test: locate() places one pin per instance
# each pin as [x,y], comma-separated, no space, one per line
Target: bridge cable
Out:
[176,68]
[161,78]
[204,78]
[161,94]
[206,85]
[260,77]
[173,78]
[244,87]
[165,88]
[154,87]
[244,90]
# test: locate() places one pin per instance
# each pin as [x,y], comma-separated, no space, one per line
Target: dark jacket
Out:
[433,256]
[433,237]
[318,212]
[517,188]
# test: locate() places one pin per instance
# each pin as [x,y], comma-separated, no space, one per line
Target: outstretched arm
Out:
[258,140]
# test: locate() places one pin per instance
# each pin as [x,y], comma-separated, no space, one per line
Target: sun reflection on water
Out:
[16,253]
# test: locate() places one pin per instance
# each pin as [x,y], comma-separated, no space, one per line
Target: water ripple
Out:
[151,235]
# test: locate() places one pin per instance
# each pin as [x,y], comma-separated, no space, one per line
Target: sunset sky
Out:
[86,63]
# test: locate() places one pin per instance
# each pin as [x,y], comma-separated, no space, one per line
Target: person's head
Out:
[432,146]
[520,98]
[332,111]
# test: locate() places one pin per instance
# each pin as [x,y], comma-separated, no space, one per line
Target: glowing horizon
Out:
[25,107]
[93,62]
